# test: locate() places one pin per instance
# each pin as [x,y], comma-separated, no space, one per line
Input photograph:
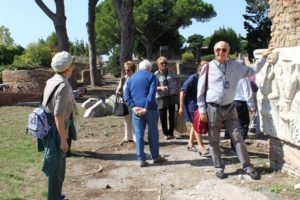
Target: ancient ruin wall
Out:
[279,94]
[32,81]
[285,17]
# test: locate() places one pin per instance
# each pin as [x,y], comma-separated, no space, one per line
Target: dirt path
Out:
[102,169]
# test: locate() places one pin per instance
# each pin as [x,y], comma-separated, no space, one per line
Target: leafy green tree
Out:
[227,35]
[114,62]
[194,44]
[8,52]
[79,48]
[36,54]
[258,26]
[5,38]
[206,41]
[52,42]
[107,28]
[194,40]
[153,19]
[172,39]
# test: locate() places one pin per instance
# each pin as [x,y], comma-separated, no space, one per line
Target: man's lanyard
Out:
[226,83]
[224,68]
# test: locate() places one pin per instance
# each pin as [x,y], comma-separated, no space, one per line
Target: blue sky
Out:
[27,22]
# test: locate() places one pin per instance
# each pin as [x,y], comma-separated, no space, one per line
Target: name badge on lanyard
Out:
[226,84]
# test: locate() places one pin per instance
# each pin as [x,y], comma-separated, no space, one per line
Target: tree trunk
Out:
[149,49]
[59,20]
[95,77]
[124,10]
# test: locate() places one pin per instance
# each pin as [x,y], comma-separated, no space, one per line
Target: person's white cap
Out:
[61,61]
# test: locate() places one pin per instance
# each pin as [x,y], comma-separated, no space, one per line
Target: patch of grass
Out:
[277,188]
[258,188]
[20,163]
[285,188]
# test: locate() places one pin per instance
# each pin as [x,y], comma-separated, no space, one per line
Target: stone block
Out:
[86,78]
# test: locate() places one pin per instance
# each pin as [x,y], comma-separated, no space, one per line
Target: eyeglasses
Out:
[163,63]
[127,70]
[224,50]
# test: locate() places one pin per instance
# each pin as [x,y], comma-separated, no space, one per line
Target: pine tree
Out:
[258,26]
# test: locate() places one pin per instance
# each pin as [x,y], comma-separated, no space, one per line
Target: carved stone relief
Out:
[279,94]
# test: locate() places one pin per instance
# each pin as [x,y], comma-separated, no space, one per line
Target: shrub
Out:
[7,53]
[187,56]
[208,57]
[36,55]
[114,63]
[212,56]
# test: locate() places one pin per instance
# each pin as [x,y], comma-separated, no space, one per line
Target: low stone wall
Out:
[9,98]
[26,81]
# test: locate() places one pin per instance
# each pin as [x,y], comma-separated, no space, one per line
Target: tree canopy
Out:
[228,35]
[153,20]
[258,26]
[5,38]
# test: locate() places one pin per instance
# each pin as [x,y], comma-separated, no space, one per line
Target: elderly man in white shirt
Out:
[216,104]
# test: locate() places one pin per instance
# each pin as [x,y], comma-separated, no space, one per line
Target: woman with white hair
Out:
[59,110]
[166,97]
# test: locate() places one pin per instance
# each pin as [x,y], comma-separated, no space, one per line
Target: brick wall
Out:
[285,17]
[26,81]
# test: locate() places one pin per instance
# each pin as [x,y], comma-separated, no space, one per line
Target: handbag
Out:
[120,108]
[199,126]
[180,125]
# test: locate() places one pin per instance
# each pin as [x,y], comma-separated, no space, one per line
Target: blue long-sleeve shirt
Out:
[141,90]
[230,73]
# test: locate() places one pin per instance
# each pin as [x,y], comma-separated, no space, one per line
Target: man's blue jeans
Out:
[139,123]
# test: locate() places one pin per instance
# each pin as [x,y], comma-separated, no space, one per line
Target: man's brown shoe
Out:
[143,163]
[159,159]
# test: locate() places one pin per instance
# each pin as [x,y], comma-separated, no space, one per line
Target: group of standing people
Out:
[163,85]
[150,96]
[222,103]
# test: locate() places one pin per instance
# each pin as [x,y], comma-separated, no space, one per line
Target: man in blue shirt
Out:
[218,108]
[140,96]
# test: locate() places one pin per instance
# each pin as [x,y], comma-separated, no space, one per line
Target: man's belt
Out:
[219,106]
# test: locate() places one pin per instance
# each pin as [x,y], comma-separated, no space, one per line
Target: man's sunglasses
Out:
[163,63]
[224,50]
